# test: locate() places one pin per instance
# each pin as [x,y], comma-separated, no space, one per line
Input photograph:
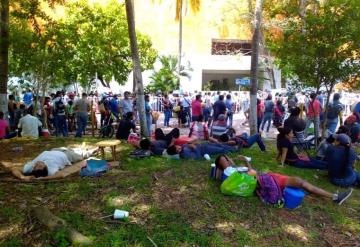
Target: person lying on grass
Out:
[197,151]
[286,153]
[243,140]
[46,165]
[227,166]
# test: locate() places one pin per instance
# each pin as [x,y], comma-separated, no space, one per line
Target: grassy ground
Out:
[172,203]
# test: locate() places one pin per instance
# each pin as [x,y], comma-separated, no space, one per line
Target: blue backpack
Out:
[94,168]
[269,191]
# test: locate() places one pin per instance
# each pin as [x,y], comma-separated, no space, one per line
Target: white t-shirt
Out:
[54,160]
[29,125]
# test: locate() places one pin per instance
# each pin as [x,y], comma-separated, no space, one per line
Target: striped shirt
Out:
[219,127]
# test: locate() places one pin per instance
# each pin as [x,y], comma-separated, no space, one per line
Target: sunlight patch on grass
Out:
[9,231]
[121,200]
[225,227]
[297,231]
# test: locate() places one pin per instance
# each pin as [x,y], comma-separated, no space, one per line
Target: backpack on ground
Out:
[269,191]
[94,168]
[239,184]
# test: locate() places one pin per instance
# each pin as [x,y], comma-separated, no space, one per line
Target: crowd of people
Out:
[208,119]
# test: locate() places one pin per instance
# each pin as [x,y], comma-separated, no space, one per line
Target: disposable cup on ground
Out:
[207,157]
[120,214]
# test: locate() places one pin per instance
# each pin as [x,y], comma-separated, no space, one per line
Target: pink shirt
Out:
[314,108]
[196,108]
[3,126]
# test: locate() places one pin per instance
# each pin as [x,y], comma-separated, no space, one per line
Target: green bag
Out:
[239,184]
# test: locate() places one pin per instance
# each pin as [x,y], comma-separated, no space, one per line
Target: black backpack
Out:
[333,111]
[59,107]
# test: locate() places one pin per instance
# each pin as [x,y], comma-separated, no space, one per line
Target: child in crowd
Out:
[227,165]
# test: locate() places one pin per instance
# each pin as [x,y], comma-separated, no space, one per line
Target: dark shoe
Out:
[342,196]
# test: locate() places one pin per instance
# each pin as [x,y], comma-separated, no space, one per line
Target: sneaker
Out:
[342,196]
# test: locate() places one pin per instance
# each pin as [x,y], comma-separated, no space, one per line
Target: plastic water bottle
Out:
[213,171]
[207,157]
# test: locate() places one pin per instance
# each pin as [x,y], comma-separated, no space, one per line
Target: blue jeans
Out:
[206,114]
[188,115]
[311,164]
[167,115]
[81,122]
[251,141]
[148,123]
[259,120]
[61,125]
[352,179]
[267,118]
[229,117]
[331,125]
[215,148]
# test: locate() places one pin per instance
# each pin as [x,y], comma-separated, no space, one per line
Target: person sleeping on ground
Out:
[227,166]
[197,151]
[287,155]
[48,163]
[243,140]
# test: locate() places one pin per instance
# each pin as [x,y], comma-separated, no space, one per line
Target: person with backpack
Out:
[268,113]
[59,110]
[230,108]
[335,108]
[167,106]
[341,158]
[227,166]
[279,113]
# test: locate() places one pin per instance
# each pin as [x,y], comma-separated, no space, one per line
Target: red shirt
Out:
[3,126]
[314,108]
[196,108]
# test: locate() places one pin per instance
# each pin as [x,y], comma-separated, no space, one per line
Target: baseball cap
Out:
[342,138]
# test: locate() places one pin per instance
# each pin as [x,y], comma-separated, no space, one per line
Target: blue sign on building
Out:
[242,82]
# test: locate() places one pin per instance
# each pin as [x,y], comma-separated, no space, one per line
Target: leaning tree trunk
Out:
[180,39]
[4,54]
[136,67]
[254,67]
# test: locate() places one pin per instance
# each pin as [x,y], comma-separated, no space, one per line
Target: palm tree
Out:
[195,7]
[4,53]
[254,66]
[136,66]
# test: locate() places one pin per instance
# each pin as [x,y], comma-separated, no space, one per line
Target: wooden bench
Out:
[108,143]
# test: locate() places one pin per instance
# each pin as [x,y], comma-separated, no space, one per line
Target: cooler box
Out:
[293,197]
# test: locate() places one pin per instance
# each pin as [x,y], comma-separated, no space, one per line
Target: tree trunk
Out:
[136,67]
[180,39]
[55,223]
[4,54]
[254,67]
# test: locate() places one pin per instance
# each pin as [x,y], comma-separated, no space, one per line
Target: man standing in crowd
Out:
[313,111]
[186,103]
[126,104]
[60,115]
[196,108]
[81,109]
[230,109]
[335,110]
[219,107]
